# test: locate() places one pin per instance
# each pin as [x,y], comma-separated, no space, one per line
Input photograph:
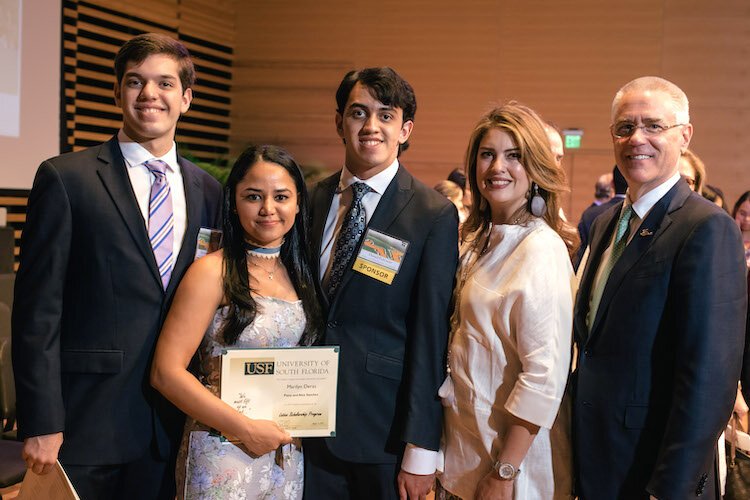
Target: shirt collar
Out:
[136,155]
[378,182]
[646,202]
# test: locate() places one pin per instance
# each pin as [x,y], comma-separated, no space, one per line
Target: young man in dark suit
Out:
[659,318]
[391,324]
[109,233]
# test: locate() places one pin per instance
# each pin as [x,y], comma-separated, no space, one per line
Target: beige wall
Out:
[566,59]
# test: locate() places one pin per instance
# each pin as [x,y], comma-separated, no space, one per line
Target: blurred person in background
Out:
[455,194]
[693,170]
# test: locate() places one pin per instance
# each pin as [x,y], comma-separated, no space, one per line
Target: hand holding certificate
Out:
[294,387]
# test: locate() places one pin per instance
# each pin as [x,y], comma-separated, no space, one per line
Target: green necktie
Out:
[618,246]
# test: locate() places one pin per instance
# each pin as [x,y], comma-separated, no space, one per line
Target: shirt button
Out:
[332,324]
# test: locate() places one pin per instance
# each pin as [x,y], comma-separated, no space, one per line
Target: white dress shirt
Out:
[141,180]
[342,200]
[416,460]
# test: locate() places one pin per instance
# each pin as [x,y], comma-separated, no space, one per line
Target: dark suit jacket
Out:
[393,337]
[657,375]
[89,305]
[587,219]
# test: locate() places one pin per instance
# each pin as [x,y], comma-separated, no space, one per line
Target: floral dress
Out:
[209,468]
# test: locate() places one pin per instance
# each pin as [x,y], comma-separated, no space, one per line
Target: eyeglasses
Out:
[626,129]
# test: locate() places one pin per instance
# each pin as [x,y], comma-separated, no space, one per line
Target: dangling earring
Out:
[538,205]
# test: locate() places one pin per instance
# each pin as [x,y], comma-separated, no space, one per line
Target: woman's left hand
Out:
[491,487]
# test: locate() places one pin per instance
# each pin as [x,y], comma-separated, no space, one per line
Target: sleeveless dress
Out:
[208,468]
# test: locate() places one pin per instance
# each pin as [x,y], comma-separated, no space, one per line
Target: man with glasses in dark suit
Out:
[659,318]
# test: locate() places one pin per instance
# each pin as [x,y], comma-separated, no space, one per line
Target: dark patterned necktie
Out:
[351,232]
[161,220]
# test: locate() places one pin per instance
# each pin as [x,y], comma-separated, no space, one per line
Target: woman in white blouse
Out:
[506,435]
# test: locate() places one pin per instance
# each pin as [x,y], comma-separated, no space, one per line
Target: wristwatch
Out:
[506,471]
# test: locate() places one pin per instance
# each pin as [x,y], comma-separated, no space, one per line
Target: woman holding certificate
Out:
[510,347]
[256,292]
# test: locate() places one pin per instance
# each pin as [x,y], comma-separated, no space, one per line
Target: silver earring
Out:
[538,205]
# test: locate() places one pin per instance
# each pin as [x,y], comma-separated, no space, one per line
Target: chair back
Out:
[7,282]
[7,382]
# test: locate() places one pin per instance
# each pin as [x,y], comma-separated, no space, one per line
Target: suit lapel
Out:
[113,174]
[320,204]
[394,199]
[656,223]
[598,244]
[194,201]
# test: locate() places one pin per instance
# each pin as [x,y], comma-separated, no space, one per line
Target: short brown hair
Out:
[138,48]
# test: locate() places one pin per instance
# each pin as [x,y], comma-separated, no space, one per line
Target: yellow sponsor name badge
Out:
[380,256]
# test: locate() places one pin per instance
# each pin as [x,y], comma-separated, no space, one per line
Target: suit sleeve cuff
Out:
[419,460]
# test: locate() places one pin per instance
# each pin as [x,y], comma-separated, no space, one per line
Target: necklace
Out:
[466,266]
[262,252]
[269,273]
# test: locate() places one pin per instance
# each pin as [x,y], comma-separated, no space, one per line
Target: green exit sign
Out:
[572,141]
[573,138]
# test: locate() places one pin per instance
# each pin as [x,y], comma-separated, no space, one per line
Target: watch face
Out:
[506,471]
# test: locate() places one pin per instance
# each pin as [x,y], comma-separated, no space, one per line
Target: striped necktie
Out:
[161,220]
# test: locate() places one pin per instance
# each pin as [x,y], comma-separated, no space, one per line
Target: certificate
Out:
[293,386]
[54,485]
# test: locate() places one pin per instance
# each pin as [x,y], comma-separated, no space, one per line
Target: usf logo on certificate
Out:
[293,386]
[380,256]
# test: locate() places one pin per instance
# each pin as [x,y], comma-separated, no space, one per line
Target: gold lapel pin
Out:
[646,232]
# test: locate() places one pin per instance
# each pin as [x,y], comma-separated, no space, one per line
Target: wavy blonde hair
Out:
[526,129]
[699,167]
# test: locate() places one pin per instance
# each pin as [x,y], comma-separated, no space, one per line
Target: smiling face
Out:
[645,160]
[266,204]
[372,132]
[152,100]
[742,217]
[501,178]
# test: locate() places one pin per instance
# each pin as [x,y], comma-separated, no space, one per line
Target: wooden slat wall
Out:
[566,59]
[94,30]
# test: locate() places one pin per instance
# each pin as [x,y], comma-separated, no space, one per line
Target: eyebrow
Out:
[383,107]
[489,148]
[260,190]
[161,77]
[643,120]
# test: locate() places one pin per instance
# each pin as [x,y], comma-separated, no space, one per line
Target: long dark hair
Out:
[745,197]
[294,251]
